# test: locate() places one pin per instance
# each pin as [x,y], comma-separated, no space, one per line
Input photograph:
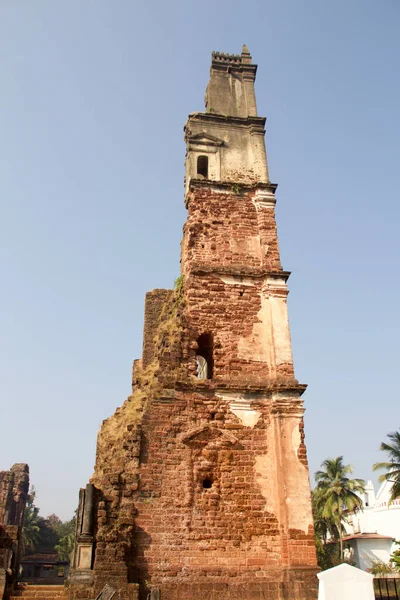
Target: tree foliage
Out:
[30,528]
[379,568]
[325,529]
[46,534]
[66,544]
[392,466]
[395,558]
[334,496]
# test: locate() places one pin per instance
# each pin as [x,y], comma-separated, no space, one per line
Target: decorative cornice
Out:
[264,198]
[217,271]
[238,185]
[223,57]
[236,188]
[238,63]
[261,387]
[256,123]
[287,406]
[211,432]
[203,138]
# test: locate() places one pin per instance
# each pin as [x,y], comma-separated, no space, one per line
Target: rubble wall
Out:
[14,486]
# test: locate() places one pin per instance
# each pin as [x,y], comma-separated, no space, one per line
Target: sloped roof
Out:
[50,557]
[367,536]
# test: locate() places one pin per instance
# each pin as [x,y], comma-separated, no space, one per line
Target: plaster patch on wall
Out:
[280,320]
[262,472]
[248,416]
[293,477]
[265,472]
[220,190]
[258,345]
[240,406]
[232,280]
[249,245]
[296,439]
[297,483]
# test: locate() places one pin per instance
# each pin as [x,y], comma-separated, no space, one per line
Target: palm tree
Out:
[325,527]
[30,527]
[65,546]
[337,493]
[393,466]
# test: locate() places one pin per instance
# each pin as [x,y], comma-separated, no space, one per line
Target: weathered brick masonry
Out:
[14,486]
[201,482]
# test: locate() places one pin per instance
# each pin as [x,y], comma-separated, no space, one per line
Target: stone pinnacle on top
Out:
[246,56]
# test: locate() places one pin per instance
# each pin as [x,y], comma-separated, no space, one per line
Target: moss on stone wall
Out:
[112,446]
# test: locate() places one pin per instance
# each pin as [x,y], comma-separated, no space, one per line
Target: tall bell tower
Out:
[201,485]
[230,239]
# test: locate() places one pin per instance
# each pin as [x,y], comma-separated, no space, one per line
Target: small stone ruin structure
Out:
[345,582]
[14,486]
[201,486]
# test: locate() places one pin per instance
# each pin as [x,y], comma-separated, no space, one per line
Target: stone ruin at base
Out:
[14,485]
[201,485]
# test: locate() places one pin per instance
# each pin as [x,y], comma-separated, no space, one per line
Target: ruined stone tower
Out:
[14,486]
[201,483]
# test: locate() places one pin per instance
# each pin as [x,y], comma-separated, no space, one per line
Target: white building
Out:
[371,533]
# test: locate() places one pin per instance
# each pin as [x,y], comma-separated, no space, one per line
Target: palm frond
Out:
[381,465]
[392,467]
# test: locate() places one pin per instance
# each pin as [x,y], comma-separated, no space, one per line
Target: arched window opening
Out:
[204,356]
[202,166]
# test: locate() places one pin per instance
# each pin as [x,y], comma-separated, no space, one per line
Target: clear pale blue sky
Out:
[94,96]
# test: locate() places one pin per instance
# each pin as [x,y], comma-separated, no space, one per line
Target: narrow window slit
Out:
[204,356]
[202,166]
